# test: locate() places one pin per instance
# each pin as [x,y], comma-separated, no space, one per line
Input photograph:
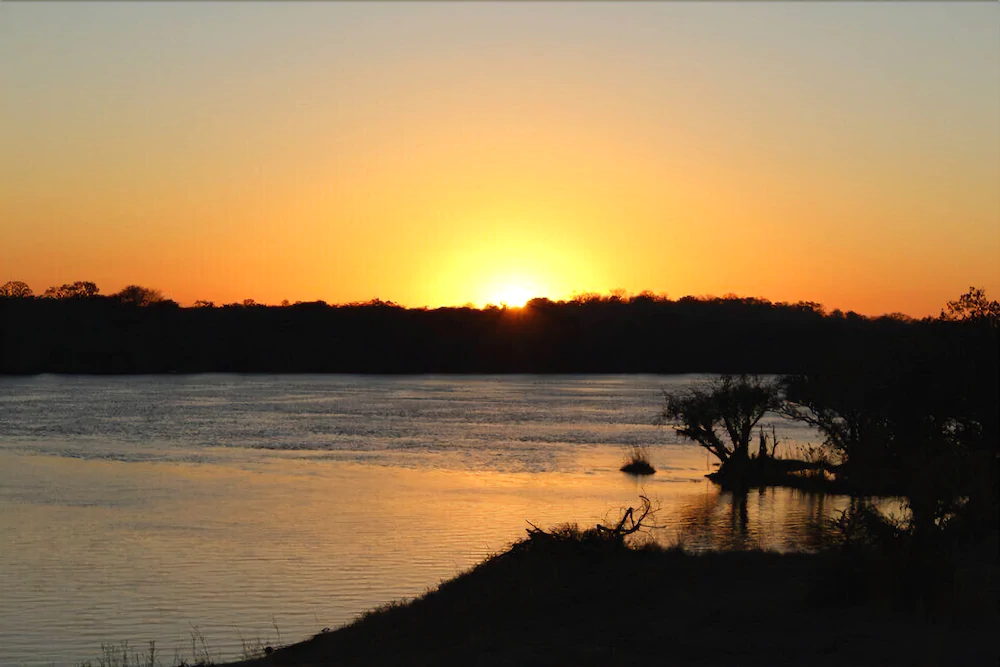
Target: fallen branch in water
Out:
[633,520]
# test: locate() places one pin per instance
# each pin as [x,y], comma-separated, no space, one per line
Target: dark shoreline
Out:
[644,334]
[575,604]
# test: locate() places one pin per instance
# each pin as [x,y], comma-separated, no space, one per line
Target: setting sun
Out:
[513,295]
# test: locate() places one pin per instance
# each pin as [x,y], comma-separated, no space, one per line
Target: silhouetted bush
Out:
[637,461]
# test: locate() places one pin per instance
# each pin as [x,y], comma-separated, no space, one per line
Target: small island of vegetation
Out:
[637,461]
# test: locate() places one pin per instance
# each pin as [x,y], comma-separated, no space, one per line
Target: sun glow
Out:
[514,295]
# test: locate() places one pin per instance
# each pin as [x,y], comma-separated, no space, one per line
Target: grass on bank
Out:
[125,655]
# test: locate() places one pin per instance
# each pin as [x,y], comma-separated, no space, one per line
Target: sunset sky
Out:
[443,153]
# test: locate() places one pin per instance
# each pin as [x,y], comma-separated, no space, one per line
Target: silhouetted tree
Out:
[917,417]
[973,305]
[721,416]
[849,409]
[16,289]
[79,290]
[137,295]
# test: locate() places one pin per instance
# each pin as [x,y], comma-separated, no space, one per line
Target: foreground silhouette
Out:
[572,597]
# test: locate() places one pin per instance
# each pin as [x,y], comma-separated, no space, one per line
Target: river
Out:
[218,509]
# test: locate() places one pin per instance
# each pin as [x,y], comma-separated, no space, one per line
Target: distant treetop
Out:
[974,306]
[81,289]
[16,289]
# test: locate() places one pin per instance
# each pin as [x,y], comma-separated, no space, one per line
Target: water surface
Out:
[221,506]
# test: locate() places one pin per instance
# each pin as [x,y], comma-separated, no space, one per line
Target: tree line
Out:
[74,329]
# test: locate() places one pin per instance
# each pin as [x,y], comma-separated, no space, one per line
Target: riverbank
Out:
[567,600]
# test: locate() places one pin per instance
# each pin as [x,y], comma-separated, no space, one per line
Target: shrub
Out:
[637,461]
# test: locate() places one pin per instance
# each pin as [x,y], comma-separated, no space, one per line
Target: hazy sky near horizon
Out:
[444,153]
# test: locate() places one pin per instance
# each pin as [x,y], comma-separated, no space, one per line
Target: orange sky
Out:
[436,154]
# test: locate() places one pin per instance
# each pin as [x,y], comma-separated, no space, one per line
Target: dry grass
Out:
[125,655]
[637,461]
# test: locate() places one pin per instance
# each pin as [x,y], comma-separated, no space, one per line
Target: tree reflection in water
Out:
[766,518]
